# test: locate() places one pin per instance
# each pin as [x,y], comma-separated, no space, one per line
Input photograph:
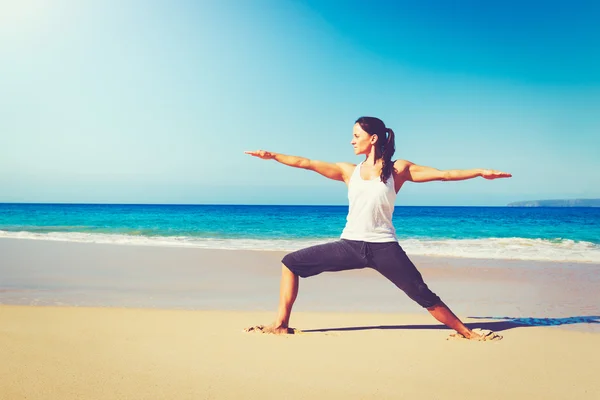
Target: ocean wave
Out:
[515,248]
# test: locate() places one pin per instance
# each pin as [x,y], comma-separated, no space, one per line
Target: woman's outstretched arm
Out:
[335,171]
[419,173]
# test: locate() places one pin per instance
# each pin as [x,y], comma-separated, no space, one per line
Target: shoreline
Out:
[428,258]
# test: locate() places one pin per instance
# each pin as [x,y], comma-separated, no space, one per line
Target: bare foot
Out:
[272,329]
[478,334]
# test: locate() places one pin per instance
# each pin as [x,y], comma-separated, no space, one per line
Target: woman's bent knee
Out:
[286,269]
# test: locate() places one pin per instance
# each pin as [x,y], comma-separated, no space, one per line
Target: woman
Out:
[369,238]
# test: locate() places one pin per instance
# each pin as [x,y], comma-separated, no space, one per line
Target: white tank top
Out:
[371,208]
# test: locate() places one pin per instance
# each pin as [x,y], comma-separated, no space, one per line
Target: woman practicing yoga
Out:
[369,238]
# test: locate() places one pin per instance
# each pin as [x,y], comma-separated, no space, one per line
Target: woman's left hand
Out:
[493,174]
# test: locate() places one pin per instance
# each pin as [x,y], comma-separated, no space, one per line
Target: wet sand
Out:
[75,274]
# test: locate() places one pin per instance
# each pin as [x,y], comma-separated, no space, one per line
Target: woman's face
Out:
[361,140]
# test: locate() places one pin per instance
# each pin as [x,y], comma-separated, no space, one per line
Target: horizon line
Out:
[257,205]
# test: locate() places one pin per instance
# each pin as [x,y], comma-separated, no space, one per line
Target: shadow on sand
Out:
[505,323]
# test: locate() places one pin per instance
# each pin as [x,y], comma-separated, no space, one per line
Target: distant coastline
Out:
[557,203]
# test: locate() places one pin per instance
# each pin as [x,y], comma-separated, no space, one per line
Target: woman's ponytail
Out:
[388,150]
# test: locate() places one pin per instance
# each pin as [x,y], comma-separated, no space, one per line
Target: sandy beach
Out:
[132,322]
[110,353]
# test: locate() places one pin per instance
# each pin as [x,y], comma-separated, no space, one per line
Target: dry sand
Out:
[112,353]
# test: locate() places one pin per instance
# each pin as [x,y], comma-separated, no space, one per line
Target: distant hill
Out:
[557,203]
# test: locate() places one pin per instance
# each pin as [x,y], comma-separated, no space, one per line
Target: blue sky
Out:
[155,102]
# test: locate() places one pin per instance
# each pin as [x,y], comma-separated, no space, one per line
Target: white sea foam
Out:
[507,248]
[491,248]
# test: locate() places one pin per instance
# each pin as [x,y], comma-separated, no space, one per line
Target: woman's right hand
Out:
[265,155]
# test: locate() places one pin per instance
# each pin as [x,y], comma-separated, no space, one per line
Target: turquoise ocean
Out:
[544,234]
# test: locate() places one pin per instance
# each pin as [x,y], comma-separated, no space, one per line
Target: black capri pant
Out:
[387,258]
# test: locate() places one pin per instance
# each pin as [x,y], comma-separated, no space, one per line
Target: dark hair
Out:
[385,144]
